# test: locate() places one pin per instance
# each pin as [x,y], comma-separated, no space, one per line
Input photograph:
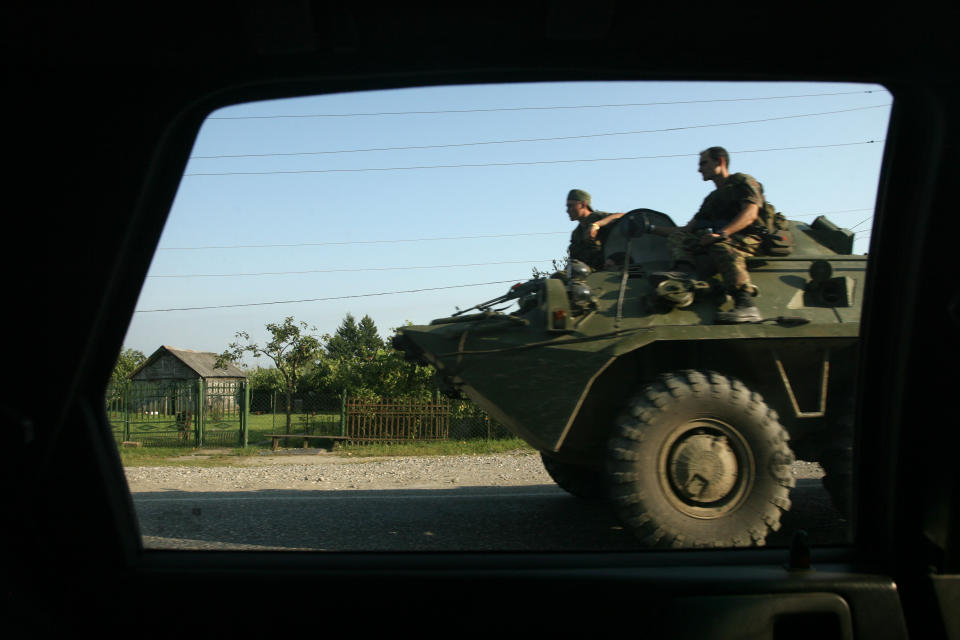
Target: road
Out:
[522,518]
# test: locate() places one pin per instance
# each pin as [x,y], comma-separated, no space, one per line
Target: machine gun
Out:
[516,291]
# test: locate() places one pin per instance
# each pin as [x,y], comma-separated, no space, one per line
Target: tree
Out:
[384,375]
[354,341]
[358,361]
[127,362]
[291,349]
[265,379]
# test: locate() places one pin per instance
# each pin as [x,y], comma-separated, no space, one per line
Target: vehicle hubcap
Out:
[707,469]
[703,468]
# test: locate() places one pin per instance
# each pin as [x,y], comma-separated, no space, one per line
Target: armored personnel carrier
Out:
[632,393]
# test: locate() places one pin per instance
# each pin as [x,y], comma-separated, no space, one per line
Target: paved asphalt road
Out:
[526,518]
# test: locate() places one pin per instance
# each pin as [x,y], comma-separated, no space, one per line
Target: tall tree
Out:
[354,341]
[369,342]
[291,349]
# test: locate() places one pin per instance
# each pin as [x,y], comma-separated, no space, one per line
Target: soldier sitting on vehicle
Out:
[586,241]
[727,229]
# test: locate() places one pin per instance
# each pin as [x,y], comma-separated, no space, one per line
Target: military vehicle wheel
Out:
[698,460]
[583,482]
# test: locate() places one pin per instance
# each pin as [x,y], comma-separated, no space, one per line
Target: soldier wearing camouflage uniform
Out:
[727,229]
[586,241]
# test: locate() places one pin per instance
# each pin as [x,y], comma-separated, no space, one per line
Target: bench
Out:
[275,437]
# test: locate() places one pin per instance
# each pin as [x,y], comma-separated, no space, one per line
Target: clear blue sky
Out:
[385,220]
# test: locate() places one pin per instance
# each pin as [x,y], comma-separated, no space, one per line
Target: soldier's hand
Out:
[593,230]
[710,238]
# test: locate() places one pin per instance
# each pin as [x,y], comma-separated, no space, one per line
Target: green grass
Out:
[218,457]
[437,448]
[183,456]
[260,425]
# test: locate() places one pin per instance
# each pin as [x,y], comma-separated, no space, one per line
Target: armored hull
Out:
[627,385]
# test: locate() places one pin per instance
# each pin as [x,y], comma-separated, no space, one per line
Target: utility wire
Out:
[354,270]
[324,244]
[361,295]
[515,164]
[526,140]
[548,108]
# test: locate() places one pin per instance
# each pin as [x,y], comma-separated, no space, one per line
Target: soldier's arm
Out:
[742,220]
[751,196]
[602,222]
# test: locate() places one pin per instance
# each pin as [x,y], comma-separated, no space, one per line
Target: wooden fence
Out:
[388,420]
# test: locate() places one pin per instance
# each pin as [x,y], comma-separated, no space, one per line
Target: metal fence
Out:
[343,415]
[226,414]
[168,413]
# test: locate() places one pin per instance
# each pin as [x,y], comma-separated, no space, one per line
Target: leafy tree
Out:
[359,362]
[127,361]
[265,379]
[384,375]
[291,349]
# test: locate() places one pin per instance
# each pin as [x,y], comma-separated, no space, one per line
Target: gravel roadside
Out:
[325,471]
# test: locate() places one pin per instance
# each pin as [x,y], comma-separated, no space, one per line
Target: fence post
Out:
[343,413]
[126,412]
[245,413]
[201,411]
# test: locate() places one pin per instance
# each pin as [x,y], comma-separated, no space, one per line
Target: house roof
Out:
[200,361]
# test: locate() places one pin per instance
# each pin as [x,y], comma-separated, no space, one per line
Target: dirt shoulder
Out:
[324,471]
[320,470]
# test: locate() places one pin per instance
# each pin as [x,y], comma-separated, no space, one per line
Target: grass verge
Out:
[439,448]
[183,456]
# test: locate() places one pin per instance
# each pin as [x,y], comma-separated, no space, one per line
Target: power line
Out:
[361,295]
[323,244]
[515,164]
[527,140]
[355,270]
[548,108]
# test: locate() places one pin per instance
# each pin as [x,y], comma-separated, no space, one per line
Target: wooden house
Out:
[172,380]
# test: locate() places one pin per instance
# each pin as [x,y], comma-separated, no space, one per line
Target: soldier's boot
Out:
[743,308]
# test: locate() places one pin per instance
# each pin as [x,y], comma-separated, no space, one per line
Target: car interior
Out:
[108,103]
